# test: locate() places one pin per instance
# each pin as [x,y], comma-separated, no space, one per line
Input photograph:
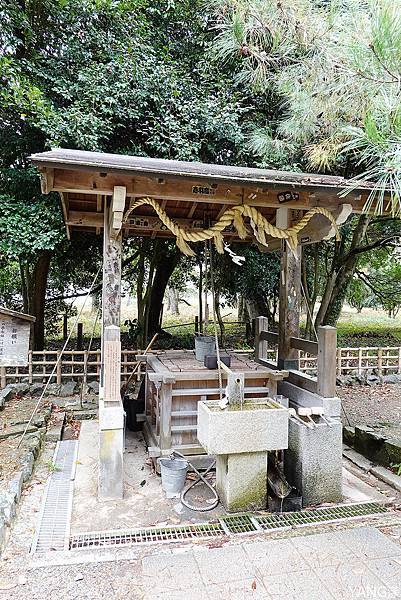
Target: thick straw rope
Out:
[260,225]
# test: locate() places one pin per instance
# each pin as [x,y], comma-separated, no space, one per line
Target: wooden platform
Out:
[176,382]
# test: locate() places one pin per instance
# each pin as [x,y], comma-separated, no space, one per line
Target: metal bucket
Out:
[173,472]
[204,346]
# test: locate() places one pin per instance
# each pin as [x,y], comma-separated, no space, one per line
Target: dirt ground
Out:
[366,405]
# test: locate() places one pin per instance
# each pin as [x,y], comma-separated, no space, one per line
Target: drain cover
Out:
[226,525]
[54,519]
[103,539]
[319,515]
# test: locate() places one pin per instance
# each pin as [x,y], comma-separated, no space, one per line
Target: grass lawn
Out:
[368,328]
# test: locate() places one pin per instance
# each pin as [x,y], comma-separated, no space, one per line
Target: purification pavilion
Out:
[120,196]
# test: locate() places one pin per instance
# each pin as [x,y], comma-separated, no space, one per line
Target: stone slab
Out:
[358,459]
[55,430]
[241,481]
[16,430]
[313,461]
[348,435]
[388,477]
[111,451]
[239,431]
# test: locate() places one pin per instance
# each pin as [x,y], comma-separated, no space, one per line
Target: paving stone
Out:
[276,556]
[188,594]
[353,579]
[237,590]
[368,542]
[389,571]
[221,565]
[324,549]
[303,585]
[171,572]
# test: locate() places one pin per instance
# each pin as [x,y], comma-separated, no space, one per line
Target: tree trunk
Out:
[343,268]
[173,297]
[37,297]
[164,269]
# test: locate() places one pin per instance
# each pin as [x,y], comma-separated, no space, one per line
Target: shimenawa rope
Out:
[234,215]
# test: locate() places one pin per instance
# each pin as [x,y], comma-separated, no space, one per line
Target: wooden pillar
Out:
[111,413]
[261,324]
[290,297]
[111,290]
[326,361]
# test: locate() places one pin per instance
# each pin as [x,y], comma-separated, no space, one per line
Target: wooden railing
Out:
[324,352]
[83,365]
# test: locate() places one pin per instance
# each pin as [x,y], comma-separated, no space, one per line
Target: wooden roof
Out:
[18,315]
[210,173]
[191,193]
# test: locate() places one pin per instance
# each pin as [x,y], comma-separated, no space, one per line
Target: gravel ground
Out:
[365,405]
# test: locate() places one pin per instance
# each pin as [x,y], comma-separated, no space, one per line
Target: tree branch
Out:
[377,244]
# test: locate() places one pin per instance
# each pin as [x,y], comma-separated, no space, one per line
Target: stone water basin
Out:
[260,426]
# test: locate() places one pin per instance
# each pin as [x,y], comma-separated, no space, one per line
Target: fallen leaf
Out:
[253,586]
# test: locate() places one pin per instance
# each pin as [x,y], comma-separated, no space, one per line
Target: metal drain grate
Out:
[145,536]
[239,523]
[319,515]
[52,531]
[228,524]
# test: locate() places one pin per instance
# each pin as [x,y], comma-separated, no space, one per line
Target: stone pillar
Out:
[241,480]
[111,419]
[290,297]
[313,461]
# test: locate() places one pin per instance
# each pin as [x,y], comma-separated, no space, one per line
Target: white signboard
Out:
[14,341]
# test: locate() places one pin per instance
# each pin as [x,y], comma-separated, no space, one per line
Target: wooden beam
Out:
[46,180]
[117,209]
[304,345]
[99,208]
[91,182]
[319,228]
[192,210]
[64,208]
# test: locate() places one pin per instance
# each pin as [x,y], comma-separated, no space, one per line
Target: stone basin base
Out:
[241,480]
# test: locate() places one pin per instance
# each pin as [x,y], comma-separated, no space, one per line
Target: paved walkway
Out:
[347,564]
[358,562]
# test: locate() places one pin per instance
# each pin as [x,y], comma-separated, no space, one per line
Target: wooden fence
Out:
[84,365]
[73,364]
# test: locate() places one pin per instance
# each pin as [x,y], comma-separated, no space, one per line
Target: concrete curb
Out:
[11,496]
